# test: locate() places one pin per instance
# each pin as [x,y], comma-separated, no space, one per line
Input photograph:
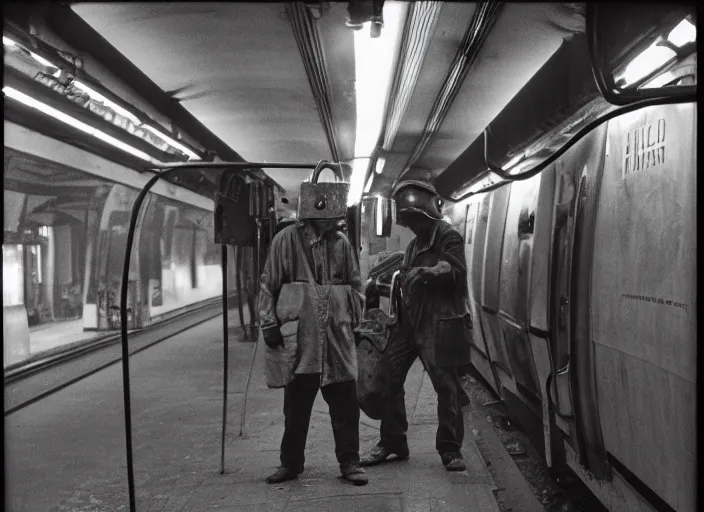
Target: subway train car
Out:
[582,282]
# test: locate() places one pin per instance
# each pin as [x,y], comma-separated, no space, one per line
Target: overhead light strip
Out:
[97,97]
[374,65]
[172,142]
[80,125]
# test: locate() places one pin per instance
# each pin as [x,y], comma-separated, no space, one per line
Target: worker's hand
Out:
[413,280]
[272,336]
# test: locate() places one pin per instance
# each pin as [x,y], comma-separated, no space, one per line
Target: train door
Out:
[574,386]
[490,295]
[476,215]
[514,287]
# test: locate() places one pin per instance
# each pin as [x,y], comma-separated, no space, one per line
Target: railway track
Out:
[34,380]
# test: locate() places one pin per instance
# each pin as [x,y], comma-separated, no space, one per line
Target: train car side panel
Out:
[514,282]
[643,299]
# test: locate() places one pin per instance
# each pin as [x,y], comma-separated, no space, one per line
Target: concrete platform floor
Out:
[67,452]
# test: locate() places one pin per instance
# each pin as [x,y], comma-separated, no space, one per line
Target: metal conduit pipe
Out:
[417,33]
[308,40]
[483,20]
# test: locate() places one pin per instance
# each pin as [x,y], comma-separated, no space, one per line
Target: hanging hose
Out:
[238,280]
[255,321]
[163,172]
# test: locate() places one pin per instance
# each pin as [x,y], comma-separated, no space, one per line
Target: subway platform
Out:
[67,452]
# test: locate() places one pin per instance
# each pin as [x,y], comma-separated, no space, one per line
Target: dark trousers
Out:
[399,356]
[341,398]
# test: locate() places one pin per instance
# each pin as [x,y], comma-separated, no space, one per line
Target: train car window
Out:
[526,223]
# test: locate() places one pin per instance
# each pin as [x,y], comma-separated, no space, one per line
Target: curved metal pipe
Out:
[164,171]
[578,136]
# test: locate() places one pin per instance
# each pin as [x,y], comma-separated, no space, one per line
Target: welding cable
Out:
[161,172]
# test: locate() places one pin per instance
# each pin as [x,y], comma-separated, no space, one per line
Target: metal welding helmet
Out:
[323,200]
[417,196]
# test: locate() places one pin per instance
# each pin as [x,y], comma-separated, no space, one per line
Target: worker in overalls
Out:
[433,324]
[311,292]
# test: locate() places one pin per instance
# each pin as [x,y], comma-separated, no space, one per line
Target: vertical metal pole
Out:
[123,328]
[255,321]
[225,356]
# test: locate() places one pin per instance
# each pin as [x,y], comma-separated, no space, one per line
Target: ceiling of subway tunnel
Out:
[238,68]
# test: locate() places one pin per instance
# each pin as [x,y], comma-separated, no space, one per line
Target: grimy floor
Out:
[67,452]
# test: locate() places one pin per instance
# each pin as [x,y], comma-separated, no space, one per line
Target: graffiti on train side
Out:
[644,148]
[656,300]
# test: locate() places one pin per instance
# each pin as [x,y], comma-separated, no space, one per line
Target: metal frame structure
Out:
[163,172]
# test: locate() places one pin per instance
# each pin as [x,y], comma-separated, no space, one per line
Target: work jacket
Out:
[444,295]
[323,329]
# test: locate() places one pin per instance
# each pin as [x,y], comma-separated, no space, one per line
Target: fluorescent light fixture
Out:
[172,142]
[374,60]
[683,33]
[661,80]
[56,114]
[117,108]
[368,186]
[648,61]
[379,216]
[484,182]
[8,42]
[513,162]
[380,163]
[41,60]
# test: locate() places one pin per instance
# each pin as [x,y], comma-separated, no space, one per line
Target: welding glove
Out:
[272,336]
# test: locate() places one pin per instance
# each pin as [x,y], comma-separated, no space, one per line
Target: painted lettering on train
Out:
[655,300]
[644,148]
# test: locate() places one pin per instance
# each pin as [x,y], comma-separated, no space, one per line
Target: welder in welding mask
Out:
[433,324]
[315,259]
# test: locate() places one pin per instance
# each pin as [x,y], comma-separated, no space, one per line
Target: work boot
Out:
[283,474]
[353,472]
[379,454]
[453,461]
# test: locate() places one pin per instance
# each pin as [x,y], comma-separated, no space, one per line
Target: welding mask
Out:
[323,201]
[416,200]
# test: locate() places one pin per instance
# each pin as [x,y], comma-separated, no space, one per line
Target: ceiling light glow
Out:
[380,162]
[379,216]
[173,143]
[99,97]
[80,125]
[683,33]
[41,60]
[368,186]
[374,61]
[648,61]
[8,42]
